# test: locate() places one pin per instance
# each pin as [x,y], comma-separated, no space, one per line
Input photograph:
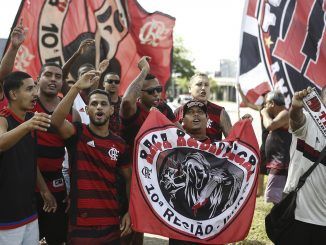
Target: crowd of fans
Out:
[86,129]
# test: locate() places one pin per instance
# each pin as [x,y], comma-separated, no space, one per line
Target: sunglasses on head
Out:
[151,91]
[112,81]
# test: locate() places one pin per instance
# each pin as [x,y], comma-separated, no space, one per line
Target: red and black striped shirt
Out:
[213,128]
[95,159]
[50,154]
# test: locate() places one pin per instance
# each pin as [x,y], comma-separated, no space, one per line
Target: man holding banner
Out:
[196,191]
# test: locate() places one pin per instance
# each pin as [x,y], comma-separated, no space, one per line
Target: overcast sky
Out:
[210,28]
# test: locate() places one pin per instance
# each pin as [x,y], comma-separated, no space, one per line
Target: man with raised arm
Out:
[309,226]
[141,95]
[96,153]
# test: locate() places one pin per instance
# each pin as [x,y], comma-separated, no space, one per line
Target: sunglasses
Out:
[112,81]
[151,91]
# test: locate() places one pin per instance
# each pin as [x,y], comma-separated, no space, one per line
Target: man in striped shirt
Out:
[96,154]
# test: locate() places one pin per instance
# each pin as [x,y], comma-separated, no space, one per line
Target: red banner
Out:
[123,32]
[283,47]
[188,190]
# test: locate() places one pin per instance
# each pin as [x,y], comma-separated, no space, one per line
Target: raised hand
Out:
[298,96]
[88,80]
[18,35]
[143,63]
[103,65]
[40,121]
[84,45]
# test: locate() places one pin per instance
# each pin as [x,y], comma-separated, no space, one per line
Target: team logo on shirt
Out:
[91,143]
[113,153]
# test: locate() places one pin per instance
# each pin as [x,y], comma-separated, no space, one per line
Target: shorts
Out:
[53,226]
[274,188]
[94,235]
[24,235]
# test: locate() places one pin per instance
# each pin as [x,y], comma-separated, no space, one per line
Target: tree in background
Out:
[182,68]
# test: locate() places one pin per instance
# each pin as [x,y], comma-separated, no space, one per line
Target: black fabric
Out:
[53,226]
[282,216]
[18,177]
[302,233]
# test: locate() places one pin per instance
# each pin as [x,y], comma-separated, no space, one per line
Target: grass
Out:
[257,234]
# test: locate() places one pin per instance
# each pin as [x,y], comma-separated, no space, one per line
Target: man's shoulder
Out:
[211,105]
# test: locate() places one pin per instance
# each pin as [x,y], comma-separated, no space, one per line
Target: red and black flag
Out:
[283,47]
[123,32]
[193,191]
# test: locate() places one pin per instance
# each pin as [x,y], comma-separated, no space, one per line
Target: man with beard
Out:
[141,95]
[276,121]
[50,155]
[218,120]
[96,153]
[111,85]
[18,168]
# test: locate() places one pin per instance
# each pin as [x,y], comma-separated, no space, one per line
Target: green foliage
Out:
[182,83]
[182,66]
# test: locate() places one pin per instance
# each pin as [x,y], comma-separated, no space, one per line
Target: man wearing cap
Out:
[276,121]
[218,120]
[194,121]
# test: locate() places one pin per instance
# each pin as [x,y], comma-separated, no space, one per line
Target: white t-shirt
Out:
[80,106]
[311,199]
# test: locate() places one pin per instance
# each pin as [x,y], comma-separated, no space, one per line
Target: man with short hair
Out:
[96,154]
[276,121]
[141,95]
[50,155]
[18,168]
[111,84]
[218,119]
[310,220]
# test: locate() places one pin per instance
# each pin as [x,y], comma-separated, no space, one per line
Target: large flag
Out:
[123,32]
[192,191]
[283,47]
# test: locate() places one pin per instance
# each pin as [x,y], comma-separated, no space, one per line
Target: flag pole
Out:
[245,7]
